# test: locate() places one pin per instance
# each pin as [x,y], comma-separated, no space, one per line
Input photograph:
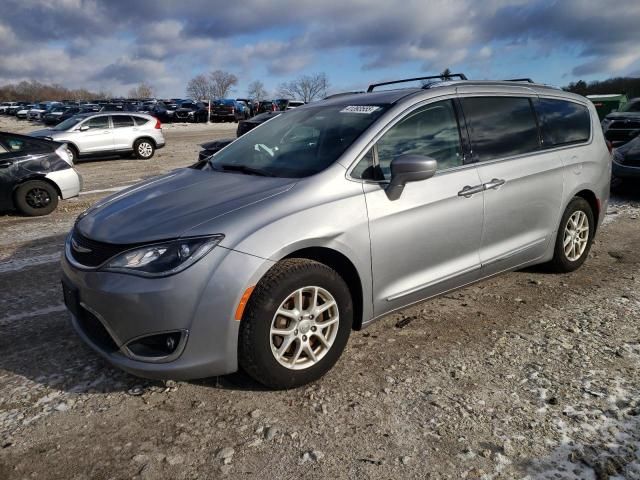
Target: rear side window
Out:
[15,145]
[563,122]
[140,120]
[120,121]
[500,126]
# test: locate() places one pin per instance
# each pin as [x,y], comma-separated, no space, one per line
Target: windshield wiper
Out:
[229,167]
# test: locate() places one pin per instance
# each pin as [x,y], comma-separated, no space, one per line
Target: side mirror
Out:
[409,168]
[83,128]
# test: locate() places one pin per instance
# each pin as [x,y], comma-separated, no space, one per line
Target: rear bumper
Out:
[625,171]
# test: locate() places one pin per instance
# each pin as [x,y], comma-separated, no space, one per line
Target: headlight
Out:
[163,259]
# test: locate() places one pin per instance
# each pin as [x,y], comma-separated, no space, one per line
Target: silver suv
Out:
[267,254]
[103,134]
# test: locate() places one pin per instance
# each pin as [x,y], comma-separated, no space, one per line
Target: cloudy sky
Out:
[114,44]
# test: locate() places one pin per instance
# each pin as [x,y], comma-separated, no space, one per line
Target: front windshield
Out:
[631,107]
[68,123]
[297,143]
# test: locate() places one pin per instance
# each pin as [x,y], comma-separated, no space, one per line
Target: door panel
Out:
[427,241]
[99,137]
[123,131]
[522,183]
[520,215]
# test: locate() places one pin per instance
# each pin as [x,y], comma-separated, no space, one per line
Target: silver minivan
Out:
[267,254]
[104,134]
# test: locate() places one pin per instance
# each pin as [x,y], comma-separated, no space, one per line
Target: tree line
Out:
[28,91]
[219,84]
[627,85]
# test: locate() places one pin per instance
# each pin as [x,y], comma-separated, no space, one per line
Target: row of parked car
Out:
[167,111]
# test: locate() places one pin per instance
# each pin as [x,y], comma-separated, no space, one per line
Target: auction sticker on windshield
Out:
[367,109]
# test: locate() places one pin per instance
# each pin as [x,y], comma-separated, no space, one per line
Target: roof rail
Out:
[461,76]
[528,80]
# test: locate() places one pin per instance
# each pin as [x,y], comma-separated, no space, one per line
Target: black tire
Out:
[143,148]
[561,262]
[74,153]
[254,344]
[35,198]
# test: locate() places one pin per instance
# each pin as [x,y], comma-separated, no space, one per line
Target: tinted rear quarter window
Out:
[563,122]
[120,121]
[500,126]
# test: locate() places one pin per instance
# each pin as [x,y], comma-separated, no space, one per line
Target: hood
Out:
[622,115]
[166,207]
[46,132]
[217,144]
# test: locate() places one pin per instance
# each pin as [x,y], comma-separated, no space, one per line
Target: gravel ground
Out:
[528,375]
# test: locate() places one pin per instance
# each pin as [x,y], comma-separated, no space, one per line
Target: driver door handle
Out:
[467,191]
[494,183]
[5,163]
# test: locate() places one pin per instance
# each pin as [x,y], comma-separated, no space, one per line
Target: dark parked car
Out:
[59,114]
[624,125]
[189,111]
[267,106]
[34,172]
[162,113]
[249,103]
[626,162]
[215,146]
[228,110]
[283,104]
[244,126]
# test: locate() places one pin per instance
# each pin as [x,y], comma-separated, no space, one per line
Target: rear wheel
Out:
[143,149]
[575,236]
[36,197]
[296,324]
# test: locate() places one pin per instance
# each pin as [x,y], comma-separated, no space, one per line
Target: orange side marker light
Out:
[243,302]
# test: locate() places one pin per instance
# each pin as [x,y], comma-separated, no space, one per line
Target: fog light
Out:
[157,347]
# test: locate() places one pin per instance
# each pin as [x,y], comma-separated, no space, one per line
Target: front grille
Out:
[625,124]
[93,328]
[92,253]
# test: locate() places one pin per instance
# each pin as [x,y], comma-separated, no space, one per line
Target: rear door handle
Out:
[5,163]
[467,191]
[494,184]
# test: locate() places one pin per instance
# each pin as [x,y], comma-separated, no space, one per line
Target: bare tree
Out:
[221,83]
[306,87]
[257,91]
[199,88]
[143,90]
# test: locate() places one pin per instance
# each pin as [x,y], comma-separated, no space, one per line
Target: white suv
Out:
[103,134]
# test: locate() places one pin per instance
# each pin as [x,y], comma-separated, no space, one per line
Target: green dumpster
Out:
[606,104]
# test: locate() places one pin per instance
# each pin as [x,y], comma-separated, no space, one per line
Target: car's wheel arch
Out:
[150,139]
[35,177]
[339,262]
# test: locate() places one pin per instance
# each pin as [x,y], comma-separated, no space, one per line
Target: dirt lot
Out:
[528,375]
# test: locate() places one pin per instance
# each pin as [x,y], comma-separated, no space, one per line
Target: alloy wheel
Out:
[304,327]
[576,235]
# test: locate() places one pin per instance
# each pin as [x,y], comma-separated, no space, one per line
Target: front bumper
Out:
[624,171]
[200,301]
[69,182]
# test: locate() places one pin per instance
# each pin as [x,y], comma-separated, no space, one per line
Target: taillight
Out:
[233,110]
[609,147]
[158,124]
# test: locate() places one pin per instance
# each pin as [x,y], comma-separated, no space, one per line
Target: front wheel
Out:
[143,149]
[575,236]
[296,324]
